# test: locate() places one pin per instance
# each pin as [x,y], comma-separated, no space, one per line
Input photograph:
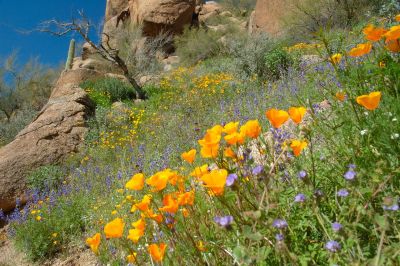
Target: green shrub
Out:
[197,44]
[45,178]
[108,90]
[58,226]
[21,118]
[277,62]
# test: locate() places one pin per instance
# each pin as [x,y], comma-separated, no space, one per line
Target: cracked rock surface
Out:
[56,132]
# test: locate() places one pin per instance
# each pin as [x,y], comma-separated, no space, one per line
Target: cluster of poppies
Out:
[374,34]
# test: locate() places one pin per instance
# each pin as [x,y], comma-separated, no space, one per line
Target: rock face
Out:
[268,15]
[114,8]
[208,10]
[57,131]
[155,16]
[162,15]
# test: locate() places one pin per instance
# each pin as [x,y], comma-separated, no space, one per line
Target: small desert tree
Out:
[24,86]
[82,26]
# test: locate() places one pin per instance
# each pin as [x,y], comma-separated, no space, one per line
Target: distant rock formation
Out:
[267,16]
[155,16]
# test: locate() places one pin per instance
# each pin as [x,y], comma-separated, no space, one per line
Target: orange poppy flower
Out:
[228,152]
[218,129]
[131,258]
[370,101]
[297,114]
[200,171]
[150,214]
[277,117]
[135,235]
[143,205]
[159,180]
[361,49]
[210,143]
[393,46]
[94,242]
[335,59]
[139,224]
[200,246]
[341,96]
[157,252]
[373,34]
[231,127]
[297,147]
[397,18]
[136,182]
[115,228]
[215,181]
[189,156]
[233,138]
[393,34]
[251,129]
[186,198]
[209,151]
[185,212]
[170,204]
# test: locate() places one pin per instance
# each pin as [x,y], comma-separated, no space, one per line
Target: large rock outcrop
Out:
[155,16]
[162,15]
[268,16]
[57,131]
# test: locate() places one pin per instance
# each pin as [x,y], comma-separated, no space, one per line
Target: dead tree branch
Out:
[82,26]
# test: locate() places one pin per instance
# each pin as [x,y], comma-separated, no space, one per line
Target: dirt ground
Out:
[9,256]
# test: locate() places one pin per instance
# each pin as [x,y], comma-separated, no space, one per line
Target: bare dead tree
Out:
[82,26]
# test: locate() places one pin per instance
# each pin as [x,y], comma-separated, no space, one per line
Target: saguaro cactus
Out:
[71,55]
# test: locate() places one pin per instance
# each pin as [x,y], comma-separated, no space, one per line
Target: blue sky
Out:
[25,15]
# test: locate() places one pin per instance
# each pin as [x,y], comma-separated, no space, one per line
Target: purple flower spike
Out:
[279,224]
[257,170]
[224,221]
[350,175]
[336,226]
[343,193]
[302,174]
[279,237]
[231,179]
[300,198]
[332,246]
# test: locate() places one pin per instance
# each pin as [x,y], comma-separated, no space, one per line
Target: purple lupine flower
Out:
[350,175]
[300,198]
[336,226]
[279,237]
[394,207]
[257,170]
[302,174]
[332,246]
[280,223]
[343,193]
[231,179]
[224,221]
